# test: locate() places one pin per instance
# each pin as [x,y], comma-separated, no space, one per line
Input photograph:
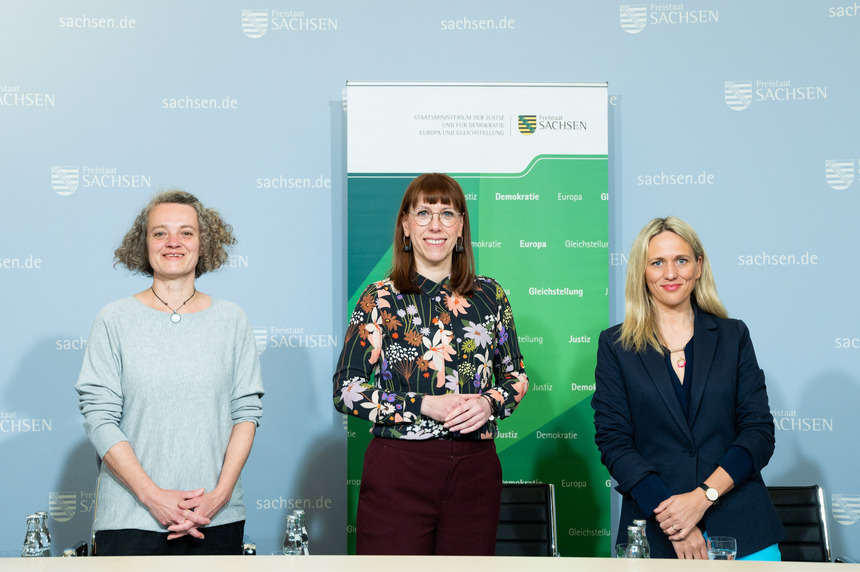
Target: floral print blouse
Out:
[400,347]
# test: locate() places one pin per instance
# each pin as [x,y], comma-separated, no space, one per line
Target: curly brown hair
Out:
[215,236]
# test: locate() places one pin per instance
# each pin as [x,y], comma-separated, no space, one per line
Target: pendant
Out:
[176,318]
[681,362]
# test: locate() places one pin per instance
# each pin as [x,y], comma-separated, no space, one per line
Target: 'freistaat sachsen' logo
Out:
[255,23]
[64,180]
[846,508]
[738,94]
[261,339]
[633,17]
[840,174]
[527,124]
[62,506]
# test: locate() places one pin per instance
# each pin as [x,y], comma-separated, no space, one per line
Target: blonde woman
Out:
[680,407]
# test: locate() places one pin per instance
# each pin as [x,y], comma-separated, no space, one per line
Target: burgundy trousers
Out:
[429,497]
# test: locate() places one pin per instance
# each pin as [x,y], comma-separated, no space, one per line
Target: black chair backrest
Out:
[801,510]
[527,521]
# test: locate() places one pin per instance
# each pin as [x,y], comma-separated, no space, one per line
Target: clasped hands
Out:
[678,517]
[182,512]
[458,412]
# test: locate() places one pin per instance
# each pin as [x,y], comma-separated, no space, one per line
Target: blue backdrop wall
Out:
[739,117]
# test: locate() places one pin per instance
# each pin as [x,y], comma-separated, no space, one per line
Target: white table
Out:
[397,564]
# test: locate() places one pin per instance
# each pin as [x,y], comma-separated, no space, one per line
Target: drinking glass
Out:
[722,548]
[621,550]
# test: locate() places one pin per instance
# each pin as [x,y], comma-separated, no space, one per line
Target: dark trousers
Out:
[223,539]
[429,497]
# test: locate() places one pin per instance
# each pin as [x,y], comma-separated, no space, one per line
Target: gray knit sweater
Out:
[174,392]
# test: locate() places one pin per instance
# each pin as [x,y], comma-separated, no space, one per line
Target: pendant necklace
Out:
[175,317]
[681,361]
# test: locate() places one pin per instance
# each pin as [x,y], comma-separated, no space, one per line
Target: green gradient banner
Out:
[542,233]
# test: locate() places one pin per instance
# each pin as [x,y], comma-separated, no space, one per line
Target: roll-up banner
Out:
[532,161]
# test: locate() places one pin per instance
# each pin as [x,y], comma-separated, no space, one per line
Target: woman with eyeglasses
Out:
[431,359]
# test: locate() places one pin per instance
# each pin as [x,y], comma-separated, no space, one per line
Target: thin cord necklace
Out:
[175,317]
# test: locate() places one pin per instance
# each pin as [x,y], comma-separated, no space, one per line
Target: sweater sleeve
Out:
[650,492]
[99,388]
[246,403]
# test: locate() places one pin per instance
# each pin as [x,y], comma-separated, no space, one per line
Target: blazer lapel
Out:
[704,348]
[656,366]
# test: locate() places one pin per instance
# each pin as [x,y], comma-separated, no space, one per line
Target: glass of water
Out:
[621,550]
[722,548]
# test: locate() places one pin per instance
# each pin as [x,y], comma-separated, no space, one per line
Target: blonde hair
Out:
[639,328]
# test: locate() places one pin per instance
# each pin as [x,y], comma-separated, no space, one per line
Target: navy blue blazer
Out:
[641,429]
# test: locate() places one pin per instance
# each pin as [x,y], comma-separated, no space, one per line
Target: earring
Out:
[407,244]
[458,248]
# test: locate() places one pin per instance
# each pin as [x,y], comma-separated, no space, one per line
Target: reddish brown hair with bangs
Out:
[433,188]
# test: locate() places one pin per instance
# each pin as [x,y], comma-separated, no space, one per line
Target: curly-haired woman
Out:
[170,391]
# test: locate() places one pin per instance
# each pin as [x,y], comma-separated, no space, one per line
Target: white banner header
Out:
[424,127]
